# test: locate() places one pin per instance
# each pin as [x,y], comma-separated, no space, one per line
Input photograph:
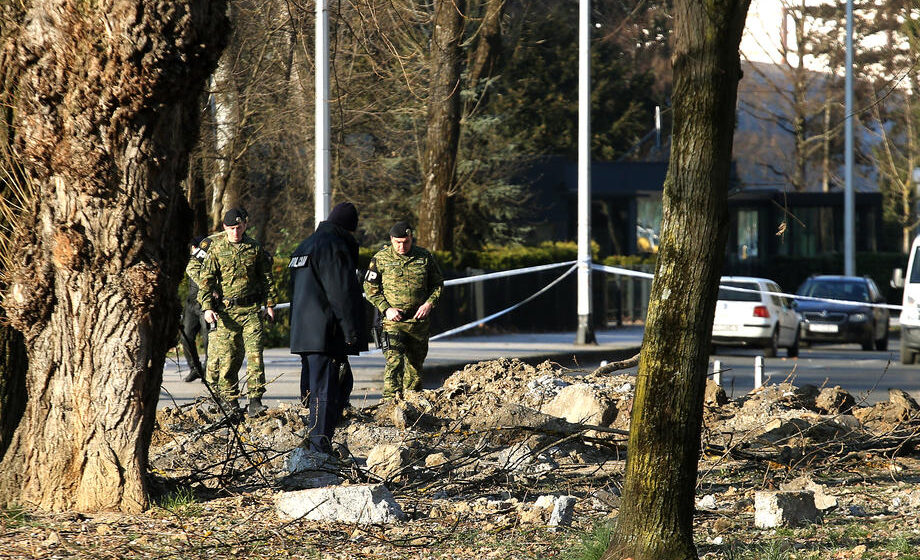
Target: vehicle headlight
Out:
[857,317]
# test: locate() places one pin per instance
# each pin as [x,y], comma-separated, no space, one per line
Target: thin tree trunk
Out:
[656,517]
[487,56]
[440,158]
[106,115]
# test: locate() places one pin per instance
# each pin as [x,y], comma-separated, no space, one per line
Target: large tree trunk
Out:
[656,517]
[440,157]
[107,111]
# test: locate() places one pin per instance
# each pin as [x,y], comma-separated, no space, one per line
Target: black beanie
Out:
[235,217]
[344,215]
[401,230]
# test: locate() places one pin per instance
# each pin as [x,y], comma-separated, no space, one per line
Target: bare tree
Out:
[106,109]
[440,157]
[789,97]
[656,516]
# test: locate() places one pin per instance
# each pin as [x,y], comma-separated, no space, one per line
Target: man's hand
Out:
[210,316]
[393,314]
[423,310]
[270,311]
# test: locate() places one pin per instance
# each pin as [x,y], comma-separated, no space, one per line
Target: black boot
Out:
[255,407]
[194,374]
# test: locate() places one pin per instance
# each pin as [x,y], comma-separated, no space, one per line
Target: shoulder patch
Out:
[372,276]
[205,243]
[299,261]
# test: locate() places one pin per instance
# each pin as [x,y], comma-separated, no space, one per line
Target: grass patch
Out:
[14,516]
[593,543]
[779,549]
[181,501]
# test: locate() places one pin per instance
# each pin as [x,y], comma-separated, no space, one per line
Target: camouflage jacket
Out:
[235,271]
[403,281]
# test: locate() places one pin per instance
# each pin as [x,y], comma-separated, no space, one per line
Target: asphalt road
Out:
[282,369]
[866,375]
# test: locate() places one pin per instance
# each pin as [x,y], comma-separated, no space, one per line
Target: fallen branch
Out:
[615,366]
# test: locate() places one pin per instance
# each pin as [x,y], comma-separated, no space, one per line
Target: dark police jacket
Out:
[327,304]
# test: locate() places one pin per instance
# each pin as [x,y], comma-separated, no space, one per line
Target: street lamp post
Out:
[585,333]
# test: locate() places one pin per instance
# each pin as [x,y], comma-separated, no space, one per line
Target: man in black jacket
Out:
[327,319]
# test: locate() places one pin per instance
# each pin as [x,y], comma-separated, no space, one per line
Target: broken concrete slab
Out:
[563,510]
[784,508]
[582,403]
[386,460]
[363,503]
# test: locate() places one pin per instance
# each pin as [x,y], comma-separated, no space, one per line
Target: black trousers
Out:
[192,324]
[325,386]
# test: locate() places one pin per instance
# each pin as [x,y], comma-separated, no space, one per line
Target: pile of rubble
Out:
[508,441]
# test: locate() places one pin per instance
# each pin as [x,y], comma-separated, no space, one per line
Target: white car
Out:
[752,317]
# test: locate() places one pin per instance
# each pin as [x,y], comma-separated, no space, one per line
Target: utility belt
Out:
[240,301]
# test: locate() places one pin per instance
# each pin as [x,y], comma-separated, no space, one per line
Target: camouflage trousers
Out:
[404,359]
[238,333]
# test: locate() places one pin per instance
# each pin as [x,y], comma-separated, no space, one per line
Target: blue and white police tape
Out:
[646,275]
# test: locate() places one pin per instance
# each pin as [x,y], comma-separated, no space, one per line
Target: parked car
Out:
[755,318]
[827,321]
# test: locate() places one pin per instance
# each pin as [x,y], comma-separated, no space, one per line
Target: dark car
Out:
[835,321]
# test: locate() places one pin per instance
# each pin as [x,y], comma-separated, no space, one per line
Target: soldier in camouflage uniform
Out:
[238,273]
[403,282]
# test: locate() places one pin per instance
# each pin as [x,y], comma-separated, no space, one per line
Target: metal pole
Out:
[849,221]
[322,147]
[585,334]
[758,372]
[717,372]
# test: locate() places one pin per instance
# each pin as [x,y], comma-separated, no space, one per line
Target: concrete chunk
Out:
[823,501]
[364,503]
[776,509]
[563,509]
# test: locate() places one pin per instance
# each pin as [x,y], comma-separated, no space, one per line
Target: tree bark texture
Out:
[656,517]
[439,162]
[106,113]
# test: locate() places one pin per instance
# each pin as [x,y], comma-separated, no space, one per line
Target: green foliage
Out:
[493,257]
[630,260]
[499,257]
[593,543]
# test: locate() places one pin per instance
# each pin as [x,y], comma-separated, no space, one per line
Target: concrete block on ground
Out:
[363,503]
[784,508]
[563,509]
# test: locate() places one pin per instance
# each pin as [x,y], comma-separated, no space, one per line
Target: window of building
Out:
[748,235]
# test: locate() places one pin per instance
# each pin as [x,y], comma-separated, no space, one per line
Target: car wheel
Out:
[770,350]
[793,351]
[908,356]
[882,343]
